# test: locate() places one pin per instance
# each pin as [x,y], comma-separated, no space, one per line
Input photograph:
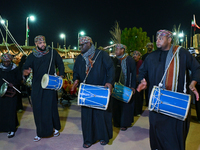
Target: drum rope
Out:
[50,60]
[12,38]
[91,67]
[5,41]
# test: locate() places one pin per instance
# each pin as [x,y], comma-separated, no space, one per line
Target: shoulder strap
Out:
[91,67]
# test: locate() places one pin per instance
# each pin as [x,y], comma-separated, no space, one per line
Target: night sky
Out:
[95,17]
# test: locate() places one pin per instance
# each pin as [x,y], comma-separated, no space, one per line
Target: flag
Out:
[193,23]
[28,30]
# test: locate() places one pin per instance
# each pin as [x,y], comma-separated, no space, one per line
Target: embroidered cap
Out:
[137,53]
[149,44]
[120,46]
[165,33]
[85,39]
[39,38]
[6,57]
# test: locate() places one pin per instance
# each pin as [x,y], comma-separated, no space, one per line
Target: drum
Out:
[28,81]
[122,93]
[51,82]
[7,91]
[169,103]
[93,96]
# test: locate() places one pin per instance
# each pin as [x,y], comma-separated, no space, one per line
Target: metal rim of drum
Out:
[3,89]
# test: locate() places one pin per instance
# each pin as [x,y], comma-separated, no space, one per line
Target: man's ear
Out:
[169,40]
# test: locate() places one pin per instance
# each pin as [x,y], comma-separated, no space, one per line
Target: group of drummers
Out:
[110,89]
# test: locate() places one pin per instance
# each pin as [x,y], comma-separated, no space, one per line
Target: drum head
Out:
[45,80]
[3,89]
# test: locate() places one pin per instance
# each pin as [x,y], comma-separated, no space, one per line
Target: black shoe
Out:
[123,128]
[11,134]
[102,142]
[86,145]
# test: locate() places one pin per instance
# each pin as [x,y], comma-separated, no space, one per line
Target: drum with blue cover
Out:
[51,82]
[93,96]
[169,103]
[122,93]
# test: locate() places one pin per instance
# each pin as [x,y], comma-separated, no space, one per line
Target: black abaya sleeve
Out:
[133,72]
[59,63]
[193,65]
[110,69]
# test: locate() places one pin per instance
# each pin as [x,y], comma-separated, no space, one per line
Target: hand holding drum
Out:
[108,85]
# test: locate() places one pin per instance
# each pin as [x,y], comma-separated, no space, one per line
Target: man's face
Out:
[163,42]
[136,57]
[6,63]
[149,48]
[41,44]
[119,51]
[85,47]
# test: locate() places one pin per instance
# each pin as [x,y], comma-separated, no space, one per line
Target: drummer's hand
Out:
[133,90]
[76,82]
[142,85]
[194,90]
[10,85]
[108,85]
[27,72]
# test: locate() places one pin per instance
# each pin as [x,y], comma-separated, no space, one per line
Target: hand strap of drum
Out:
[91,67]
[50,60]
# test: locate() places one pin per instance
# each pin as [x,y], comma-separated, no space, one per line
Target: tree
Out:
[135,39]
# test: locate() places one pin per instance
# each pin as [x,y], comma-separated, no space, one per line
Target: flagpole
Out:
[26,41]
[191,37]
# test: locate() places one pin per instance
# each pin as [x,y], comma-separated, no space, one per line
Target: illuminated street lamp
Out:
[75,48]
[63,36]
[80,33]
[111,42]
[6,24]
[32,18]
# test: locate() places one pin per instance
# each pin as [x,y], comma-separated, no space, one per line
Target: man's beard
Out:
[149,49]
[42,49]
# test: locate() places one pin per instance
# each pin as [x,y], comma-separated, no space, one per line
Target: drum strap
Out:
[163,78]
[91,67]
[50,60]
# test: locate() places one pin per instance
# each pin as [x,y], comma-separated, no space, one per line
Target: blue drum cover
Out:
[93,96]
[170,103]
[54,82]
[122,93]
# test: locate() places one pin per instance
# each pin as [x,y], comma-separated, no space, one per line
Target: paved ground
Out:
[136,137]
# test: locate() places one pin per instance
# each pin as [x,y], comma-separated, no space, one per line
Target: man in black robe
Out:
[44,101]
[96,123]
[150,48]
[125,74]
[167,133]
[8,101]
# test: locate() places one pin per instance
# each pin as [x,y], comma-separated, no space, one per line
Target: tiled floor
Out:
[136,137]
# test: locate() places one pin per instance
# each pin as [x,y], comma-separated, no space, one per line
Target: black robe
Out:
[44,101]
[96,124]
[8,105]
[167,132]
[123,113]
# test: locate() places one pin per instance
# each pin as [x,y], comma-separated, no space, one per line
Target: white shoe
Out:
[56,133]
[36,139]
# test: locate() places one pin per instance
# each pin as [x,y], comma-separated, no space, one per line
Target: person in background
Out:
[8,101]
[138,95]
[125,74]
